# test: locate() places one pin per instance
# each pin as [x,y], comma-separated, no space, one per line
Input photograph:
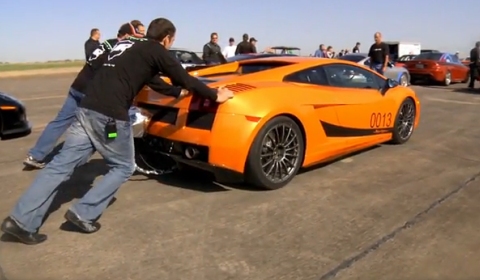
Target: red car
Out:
[438,67]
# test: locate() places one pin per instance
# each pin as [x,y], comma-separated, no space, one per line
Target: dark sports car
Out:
[13,116]
[241,57]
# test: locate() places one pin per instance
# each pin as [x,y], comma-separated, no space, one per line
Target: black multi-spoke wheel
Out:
[404,122]
[276,155]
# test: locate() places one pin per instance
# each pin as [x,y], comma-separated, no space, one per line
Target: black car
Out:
[13,116]
[241,57]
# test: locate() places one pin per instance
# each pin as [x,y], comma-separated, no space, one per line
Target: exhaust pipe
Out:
[191,152]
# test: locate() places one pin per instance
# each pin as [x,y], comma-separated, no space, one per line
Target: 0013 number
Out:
[379,120]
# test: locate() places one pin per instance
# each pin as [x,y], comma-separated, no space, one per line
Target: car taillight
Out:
[203,104]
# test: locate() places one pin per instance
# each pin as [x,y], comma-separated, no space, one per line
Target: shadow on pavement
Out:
[467,90]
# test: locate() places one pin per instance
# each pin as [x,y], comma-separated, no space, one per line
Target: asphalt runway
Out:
[393,212]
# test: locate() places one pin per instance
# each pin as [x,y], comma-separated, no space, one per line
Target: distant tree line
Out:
[49,61]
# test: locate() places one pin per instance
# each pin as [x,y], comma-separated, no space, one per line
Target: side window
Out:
[367,62]
[348,76]
[315,76]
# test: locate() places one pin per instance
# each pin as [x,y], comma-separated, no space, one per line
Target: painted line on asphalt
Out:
[43,97]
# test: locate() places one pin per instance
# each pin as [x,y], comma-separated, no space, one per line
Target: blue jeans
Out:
[377,68]
[84,137]
[55,129]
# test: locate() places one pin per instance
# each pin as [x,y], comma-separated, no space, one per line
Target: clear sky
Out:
[54,29]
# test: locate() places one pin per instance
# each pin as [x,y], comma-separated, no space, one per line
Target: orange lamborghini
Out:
[287,113]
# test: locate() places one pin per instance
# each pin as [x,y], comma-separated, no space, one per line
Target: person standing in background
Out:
[330,52]
[474,65]
[92,43]
[356,49]
[138,28]
[321,51]
[253,44]
[229,50]
[244,47]
[378,54]
[212,51]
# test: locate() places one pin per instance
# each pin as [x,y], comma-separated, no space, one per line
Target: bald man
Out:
[378,54]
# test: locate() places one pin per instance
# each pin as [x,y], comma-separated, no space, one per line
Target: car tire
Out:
[448,79]
[403,81]
[288,152]
[404,122]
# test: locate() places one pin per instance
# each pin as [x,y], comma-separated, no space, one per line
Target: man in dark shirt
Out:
[56,128]
[244,47]
[474,64]
[103,125]
[212,51]
[356,49]
[92,43]
[378,54]
[253,43]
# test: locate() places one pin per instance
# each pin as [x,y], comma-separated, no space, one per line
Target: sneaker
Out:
[31,162]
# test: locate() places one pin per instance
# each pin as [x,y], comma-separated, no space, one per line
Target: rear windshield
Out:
[406,58]
[429,56]
[261,66]
[352,58]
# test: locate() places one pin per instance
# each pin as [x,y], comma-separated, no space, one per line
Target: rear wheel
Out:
[448,79]
[276,154]
[404,80]
[404,122]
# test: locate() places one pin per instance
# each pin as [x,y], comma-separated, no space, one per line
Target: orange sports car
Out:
[287,113]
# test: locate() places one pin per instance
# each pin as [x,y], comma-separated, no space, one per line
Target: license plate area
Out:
[419,66]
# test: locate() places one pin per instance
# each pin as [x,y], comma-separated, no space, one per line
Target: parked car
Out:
[393,72]
[13,116]
[241,57]
[438,67]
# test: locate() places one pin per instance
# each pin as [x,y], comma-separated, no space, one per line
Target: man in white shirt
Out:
[229,50]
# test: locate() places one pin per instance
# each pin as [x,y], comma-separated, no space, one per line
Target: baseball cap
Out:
[253,39]
[231,40]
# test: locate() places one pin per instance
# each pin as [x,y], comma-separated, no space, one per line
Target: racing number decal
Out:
[380,120]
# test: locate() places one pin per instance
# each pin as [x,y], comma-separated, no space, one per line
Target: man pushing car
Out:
[37,155]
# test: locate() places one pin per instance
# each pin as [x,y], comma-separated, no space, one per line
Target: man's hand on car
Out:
[224,94]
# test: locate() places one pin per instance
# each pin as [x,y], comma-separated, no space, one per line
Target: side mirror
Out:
[390,64]
[389,83]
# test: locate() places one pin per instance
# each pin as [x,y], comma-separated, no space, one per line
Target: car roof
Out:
[291,59]
[284,48]
[356,54]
